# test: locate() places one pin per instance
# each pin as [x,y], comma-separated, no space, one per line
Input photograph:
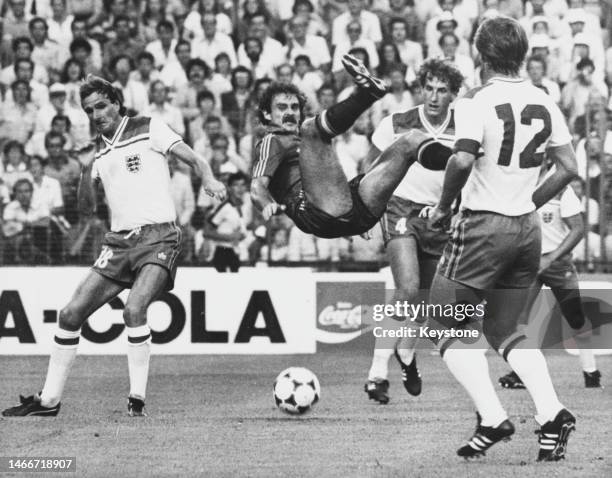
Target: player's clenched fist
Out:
[272,209]
[86,154]
[216,189]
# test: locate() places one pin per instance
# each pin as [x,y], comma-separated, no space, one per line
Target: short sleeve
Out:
[382,137]
[268,156]
[570,204]
[162,137]
[560,134]
[469,126]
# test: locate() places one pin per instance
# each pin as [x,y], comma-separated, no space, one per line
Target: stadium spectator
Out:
[579,91]
[369,22]
[135,95]
[354,39]
[81,50]
[17,21]
[123,44]
[22,48]
[18,116]
[589,205]
[272,52]
[60,24]
[145,72]
[444,23]
[305,10]
[301,43]
[163,48]
[399,97]
[154,12]
[60,124]
[160,107]
[15,164]
[305,247]
[79,31]
[260,67]
[278,251]
[213,42]
[211,127]
[541,45]
[410,52]
[23,71]
[236,105]
[284,74]
[221,161]
[221,79]
[186,97]
[65,169]
[226,226]
[72,76]
[174,73]
[403,11]
[46,52]
[250,9]
[194,23]
[351,149]
[449,43]
[25,227]
[184,202]
[306,80]
[536,71]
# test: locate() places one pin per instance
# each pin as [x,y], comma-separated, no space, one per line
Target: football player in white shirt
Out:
[562,230]
[413,247]
[494,249]
[129,159]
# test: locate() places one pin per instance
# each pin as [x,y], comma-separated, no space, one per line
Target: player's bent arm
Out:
[212,186]
[370,159]
[457,173]
[259,192]
[576,233]
[566,171]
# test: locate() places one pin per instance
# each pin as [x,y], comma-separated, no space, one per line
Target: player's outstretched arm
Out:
[567,170]
[263,199]
[86,193]
[211,185]
[457,173]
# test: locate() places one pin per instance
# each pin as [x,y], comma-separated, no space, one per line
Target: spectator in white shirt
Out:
[39,93]
[163,48]
[193,22]
[60,23]
[22,48]
[354,40]
[272,50]
[260,66]
[307,80]
[300,43]
[536,70]
[445,23]
[79,30]
[145,72]
[160,107]
[399,97]
[221,79]
[15,166]
[356,12]
[351,149]
[135,96]
[60,124]
[449,43]
[47,52]
[174,73]
[410,52]
[213,42]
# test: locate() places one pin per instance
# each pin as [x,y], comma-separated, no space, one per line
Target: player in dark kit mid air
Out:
[295,167]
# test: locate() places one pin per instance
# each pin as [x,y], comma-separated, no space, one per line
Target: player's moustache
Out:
[289,119]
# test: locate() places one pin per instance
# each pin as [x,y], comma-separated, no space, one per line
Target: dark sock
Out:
[339,118]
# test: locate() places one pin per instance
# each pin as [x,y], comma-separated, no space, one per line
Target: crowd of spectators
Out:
[201,67]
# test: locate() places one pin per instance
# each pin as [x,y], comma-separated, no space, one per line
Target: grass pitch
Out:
[214,416]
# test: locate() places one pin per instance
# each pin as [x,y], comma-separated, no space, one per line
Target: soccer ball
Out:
[296,390]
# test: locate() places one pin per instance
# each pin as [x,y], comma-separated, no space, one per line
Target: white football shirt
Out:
[133,169]
[512,123]
[554,230]
[420,185]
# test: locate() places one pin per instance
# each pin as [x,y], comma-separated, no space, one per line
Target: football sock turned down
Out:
[471,369]
[65,347]
[530,366]
[139,352]
[338,118]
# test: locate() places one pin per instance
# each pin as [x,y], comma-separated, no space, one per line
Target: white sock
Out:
[530,366]
[587,360]
[60,363]
[405,349]
[380,364]
[471,369]
[139,352]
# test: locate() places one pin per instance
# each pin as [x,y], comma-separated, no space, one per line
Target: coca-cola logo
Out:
[343,315]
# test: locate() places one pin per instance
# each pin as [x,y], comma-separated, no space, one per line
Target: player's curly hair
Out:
[502,44]
[276,88]
[95,84]
[443,70]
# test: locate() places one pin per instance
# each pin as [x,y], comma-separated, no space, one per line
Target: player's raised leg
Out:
[324,181]
[93,292]
[151,281]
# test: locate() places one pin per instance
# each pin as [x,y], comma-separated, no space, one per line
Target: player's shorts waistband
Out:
[476,212]
[146,228]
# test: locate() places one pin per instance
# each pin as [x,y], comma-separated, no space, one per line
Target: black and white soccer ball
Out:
[296,390]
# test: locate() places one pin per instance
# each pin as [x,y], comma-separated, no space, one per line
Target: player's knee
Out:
[309,129]
[134,315]
[70,318]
